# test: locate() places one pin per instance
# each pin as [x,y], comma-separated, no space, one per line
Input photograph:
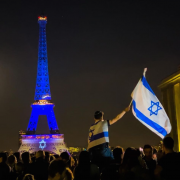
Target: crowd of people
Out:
[98,162]
[131,164]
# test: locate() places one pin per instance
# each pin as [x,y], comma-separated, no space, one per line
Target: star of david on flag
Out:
[91,134]
[156,106]
[148,110]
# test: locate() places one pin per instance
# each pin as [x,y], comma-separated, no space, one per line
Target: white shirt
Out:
[98,133]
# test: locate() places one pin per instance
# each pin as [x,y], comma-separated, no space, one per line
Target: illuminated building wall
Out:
[170,90]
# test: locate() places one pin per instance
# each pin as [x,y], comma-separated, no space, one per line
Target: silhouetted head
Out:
[26,158]
[148,151]
[84,158]
[18,156]
[118,154]
[131,157]
[98,115]
[40,154]
[3,157]
[57,170]
[11,161]
[65,156]
[168,144]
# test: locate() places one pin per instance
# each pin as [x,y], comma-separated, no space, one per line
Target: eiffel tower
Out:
[53,142]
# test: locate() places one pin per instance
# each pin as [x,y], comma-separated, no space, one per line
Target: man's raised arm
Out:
[119,116]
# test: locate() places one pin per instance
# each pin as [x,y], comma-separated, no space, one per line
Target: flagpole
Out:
[144,73]
[130,103]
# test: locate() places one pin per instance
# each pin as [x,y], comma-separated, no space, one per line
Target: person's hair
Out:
[3,155]
[147,146]
[25,157]
[117,152]
[65,156]
[98,114]
[40,154]
[11,160]
[130,158]
[18,156]
[28,177]
[56,166]
[84,158]
[168,143]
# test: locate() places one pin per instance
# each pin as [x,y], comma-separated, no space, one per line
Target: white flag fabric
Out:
[148,110]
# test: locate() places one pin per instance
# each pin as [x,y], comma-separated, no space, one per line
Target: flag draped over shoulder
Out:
[148,110]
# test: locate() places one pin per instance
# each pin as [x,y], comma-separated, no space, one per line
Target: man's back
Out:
[98,134]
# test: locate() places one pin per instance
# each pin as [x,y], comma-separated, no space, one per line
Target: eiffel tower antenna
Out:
[42,7]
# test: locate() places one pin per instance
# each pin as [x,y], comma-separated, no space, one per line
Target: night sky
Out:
[96,53]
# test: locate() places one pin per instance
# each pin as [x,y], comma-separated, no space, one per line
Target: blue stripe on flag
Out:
[100,135]
[145,83]
[148,121]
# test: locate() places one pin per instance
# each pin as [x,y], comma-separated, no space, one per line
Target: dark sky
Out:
[96,52]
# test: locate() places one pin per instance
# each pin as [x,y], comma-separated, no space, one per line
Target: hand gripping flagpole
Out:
[144,74]
[130,103]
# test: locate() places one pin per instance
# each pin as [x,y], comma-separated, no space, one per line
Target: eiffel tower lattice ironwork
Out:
[29,141]
[42,104]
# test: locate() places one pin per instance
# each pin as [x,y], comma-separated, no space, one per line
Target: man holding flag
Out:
[98,140]
[148,110]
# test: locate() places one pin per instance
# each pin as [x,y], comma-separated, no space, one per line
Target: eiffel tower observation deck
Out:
[53,142]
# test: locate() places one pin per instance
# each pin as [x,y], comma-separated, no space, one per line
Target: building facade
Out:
[170,92]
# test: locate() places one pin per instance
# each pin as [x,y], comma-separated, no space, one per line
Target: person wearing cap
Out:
[98,140]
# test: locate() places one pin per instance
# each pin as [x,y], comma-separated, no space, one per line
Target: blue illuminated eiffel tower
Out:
[42,104]
[29,141]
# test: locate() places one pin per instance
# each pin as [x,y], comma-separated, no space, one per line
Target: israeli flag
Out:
[148,110]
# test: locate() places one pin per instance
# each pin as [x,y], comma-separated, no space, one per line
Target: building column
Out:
[177,108]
